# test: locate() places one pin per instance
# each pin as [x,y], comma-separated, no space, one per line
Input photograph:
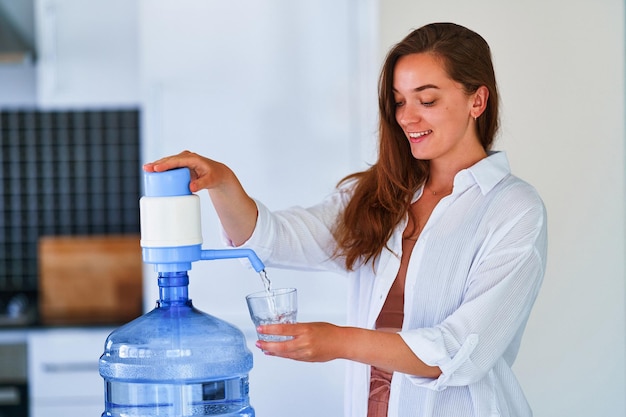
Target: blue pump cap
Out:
[171,259]
[167,183]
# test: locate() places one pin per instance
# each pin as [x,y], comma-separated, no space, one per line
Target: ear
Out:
[479,101]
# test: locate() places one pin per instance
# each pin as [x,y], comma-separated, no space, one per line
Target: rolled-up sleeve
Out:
[434,350]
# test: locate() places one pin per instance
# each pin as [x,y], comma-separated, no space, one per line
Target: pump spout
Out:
[211,254]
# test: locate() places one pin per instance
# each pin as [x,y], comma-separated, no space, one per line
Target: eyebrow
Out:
[422,88]
[425,87]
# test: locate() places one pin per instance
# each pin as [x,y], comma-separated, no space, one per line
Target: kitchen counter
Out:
[13,335]
[21,332]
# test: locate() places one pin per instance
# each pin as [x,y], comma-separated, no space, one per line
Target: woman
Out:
[445,249]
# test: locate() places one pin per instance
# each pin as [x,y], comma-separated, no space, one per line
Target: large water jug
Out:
[176,360]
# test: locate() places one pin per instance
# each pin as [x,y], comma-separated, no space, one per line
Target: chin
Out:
[422,156]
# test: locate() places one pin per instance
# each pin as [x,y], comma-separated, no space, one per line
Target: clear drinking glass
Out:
[273,307]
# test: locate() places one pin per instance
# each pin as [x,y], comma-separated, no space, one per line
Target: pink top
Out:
[390,318]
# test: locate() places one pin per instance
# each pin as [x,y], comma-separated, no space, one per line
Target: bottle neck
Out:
[173,288]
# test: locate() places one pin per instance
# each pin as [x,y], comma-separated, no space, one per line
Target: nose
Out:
[407,114]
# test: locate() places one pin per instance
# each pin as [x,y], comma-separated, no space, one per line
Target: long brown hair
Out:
[382,194]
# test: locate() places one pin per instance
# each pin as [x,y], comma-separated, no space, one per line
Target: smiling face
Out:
[434,111]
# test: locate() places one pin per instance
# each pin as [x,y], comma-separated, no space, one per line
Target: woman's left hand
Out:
[322,342]
[312,342]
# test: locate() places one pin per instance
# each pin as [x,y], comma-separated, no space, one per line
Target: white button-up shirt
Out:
[472,279]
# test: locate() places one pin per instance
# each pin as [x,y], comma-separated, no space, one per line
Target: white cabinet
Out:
[87,53]
[63,372]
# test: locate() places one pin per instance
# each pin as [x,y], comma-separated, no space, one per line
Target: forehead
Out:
[415,70]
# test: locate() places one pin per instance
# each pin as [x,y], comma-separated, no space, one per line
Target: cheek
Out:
[453,114]
[399,116]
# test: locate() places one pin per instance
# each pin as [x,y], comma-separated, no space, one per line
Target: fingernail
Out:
[258,344]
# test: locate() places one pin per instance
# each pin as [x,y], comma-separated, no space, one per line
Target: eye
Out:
[428,103]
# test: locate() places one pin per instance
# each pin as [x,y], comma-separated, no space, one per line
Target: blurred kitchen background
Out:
[284,92]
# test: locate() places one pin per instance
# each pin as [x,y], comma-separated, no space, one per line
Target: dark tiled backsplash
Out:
[64,173]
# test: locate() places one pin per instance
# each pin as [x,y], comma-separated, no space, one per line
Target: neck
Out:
[444,190]
[173,287]
[442,172]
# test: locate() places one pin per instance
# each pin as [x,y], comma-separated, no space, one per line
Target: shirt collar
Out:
[486,173]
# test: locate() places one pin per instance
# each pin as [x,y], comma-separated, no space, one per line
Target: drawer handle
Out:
[54,368]
[9,396]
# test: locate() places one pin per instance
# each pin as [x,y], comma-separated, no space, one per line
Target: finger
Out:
[148,167]
[183,159]
[161,165]
[290,349]
[283,349]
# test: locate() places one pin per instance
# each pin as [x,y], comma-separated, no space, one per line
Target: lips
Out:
[415,137]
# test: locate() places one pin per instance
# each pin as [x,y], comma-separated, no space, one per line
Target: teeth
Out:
[419,134]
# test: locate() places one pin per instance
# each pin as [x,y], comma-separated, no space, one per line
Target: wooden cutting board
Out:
[89,279]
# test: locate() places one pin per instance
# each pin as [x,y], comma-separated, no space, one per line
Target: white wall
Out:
[18,81]
[275,90]
[560,65]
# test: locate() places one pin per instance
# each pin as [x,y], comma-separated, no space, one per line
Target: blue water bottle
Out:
[176,361]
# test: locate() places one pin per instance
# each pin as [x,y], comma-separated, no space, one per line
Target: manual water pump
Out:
[176,360]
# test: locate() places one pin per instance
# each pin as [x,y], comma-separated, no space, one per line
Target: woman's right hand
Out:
[236,210]
[205,173]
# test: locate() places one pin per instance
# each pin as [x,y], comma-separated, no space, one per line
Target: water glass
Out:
[273,307]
